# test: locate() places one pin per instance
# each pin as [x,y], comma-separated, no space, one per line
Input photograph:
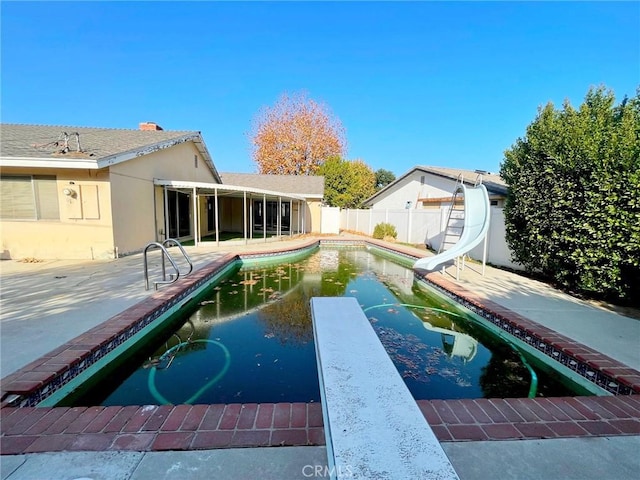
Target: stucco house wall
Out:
[84,229]
[132,185]
[314,212]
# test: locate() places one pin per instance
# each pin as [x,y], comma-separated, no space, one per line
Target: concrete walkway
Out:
[46,304]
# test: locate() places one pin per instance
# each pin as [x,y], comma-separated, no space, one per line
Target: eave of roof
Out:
[212,188]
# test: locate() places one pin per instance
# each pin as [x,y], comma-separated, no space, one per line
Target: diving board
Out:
[476,226]
[373,427]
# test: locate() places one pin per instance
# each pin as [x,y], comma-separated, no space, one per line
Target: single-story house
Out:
[432,187]
[88,193]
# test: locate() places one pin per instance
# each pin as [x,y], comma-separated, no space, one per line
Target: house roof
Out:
[44,146]
[310,186]
[494,183]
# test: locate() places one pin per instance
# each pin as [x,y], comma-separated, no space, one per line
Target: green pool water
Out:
[250,340]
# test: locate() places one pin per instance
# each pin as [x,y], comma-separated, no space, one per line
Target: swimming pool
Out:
[25,429]
[250,339]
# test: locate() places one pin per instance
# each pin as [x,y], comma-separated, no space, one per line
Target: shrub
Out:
[384,230]
[573,206]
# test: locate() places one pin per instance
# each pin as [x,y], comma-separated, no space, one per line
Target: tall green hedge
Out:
[573,208]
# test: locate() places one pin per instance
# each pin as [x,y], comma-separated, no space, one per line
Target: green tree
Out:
[573,207]
[347,183]
[383,178]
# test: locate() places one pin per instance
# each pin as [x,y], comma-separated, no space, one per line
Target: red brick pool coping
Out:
[186,427]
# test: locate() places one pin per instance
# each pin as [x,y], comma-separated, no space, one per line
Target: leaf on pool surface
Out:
[269,335]
[248,282]
[207,302]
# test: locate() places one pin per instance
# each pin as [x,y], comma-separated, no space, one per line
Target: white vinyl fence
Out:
[427,227]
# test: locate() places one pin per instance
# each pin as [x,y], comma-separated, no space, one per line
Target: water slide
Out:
[476,225]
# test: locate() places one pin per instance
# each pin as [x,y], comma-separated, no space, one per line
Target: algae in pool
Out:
[251,340]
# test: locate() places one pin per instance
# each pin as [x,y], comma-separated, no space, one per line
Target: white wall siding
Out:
[330,221]
[410,189]
[498,252]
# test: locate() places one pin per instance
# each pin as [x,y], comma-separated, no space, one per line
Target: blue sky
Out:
[414,83]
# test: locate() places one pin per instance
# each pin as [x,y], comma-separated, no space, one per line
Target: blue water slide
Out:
[476,225]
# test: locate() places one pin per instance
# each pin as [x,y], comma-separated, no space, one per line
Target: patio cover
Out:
[216,190]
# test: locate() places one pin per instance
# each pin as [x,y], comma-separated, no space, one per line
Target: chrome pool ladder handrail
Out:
[164,280]
[167,243]
[164,246]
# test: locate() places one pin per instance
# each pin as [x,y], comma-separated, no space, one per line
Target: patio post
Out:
[264,217]
[279,218]
[195,217]
[244,216]
[215,197]
[166,212]
[250,217]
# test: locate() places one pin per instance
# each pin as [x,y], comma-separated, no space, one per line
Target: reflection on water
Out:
[251,339]
[456,344]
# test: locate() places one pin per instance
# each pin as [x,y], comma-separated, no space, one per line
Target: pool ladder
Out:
[164,246]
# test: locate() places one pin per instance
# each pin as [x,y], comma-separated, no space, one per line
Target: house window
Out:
[29,197]
[195,161]
[423,180]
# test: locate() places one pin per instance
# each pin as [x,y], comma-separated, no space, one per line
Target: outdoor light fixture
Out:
[69,192]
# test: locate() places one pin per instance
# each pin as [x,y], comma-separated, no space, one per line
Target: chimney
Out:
[149,126]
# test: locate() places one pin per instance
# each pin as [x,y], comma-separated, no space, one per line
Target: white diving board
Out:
[373,427]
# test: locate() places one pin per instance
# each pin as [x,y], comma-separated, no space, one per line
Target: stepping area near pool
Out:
[46,305]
